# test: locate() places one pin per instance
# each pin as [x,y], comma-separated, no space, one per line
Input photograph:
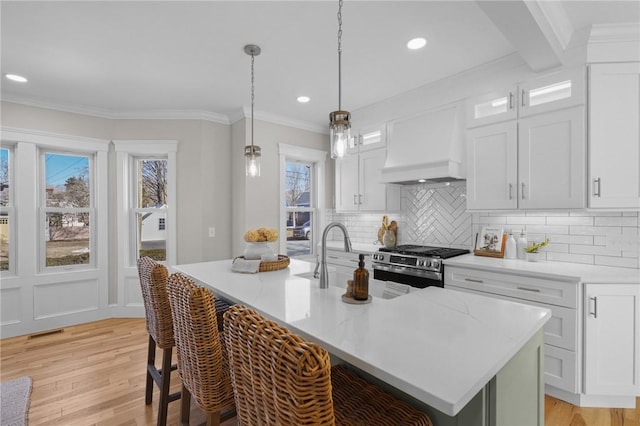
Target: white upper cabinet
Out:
[550,92]
[358,182]
[560,90]
[614,135]
[492,174]
[551,160]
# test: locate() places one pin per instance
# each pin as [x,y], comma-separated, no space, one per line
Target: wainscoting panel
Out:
[62,298]
[11,303]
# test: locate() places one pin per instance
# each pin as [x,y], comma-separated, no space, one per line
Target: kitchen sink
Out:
[377,288]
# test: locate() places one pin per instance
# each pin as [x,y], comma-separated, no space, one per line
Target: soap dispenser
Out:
[522,243]
[511,249]
[361,281]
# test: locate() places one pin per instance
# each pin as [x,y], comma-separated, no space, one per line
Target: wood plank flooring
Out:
[94,374]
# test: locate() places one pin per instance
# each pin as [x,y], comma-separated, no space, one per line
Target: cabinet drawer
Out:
[561,329]
[541,290]
[560,368]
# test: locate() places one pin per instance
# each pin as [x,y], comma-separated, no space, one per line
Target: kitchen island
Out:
[463,358]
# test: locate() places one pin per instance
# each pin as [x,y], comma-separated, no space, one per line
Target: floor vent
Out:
[45,333]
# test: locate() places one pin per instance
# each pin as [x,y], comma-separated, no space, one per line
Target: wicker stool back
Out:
[153,284]
[280,379]
[202,362]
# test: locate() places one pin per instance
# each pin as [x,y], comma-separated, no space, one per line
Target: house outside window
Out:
[150,207]
[300,207]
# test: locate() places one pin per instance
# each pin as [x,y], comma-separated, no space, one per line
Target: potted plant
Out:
[533,250]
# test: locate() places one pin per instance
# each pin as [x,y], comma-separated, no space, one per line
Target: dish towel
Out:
[245,266]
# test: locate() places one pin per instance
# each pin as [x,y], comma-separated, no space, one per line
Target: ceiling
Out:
[186,58]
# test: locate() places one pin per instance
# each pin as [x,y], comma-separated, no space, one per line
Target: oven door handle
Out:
[409,271]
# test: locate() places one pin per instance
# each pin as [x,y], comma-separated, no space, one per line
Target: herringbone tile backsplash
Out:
[436,215]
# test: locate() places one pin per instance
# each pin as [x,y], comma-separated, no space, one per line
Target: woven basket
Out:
[274,265]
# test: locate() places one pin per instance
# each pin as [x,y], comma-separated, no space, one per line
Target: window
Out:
[66,201]
[302,183]
[6,211]
[299,206]
[150,207]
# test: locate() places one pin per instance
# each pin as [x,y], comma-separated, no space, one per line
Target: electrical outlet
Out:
[212,231]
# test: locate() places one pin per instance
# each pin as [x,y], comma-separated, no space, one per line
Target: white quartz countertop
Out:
[438,345]
[553,270]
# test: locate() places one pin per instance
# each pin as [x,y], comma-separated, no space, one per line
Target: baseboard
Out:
[595,401]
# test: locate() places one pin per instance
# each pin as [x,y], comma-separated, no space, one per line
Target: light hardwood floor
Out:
[94,374]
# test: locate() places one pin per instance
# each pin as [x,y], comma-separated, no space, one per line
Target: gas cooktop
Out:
[424,251]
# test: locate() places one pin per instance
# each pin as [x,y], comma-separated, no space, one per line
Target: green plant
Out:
[533,248]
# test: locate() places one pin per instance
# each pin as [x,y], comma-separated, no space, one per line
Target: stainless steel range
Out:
[417,266]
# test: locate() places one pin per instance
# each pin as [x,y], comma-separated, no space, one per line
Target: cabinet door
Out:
[372,195]
[372,138]
[551,160]
[552,92]
[612,346]
[347,183]
[492,107]
[614,132]
[492,167]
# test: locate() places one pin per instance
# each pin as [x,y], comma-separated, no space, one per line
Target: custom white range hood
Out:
[426,147]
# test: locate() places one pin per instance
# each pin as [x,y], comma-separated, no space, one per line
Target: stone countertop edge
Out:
[563,271]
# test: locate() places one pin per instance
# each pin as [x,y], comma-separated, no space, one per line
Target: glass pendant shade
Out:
[252,160]
[340,133]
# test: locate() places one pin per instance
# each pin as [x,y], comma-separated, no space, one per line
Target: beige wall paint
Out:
[257,200]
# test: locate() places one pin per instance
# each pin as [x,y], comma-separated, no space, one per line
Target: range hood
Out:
[426,147]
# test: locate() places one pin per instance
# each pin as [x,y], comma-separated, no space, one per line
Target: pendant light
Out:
[252,152]
[340,127]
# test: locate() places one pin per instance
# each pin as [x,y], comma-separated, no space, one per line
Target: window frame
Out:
[43,210]
[293,153]
[127,153]
[9,211]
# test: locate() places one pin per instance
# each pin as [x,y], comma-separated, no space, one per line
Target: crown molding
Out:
[614,33]
[245,112]
[214,117]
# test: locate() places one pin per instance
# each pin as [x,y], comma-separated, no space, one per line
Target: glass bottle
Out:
[521,244]
[511,249]
[361,281]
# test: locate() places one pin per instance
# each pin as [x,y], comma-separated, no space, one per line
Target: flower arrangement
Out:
[261,235]
[535,247]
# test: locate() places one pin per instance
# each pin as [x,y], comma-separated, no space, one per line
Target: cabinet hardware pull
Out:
[511,191]
[510,100]
[535,290]
[595,307]
[355,202]
[523,95]
[359,198]
[474,281]
[522,192]
[596,184]
[332,257]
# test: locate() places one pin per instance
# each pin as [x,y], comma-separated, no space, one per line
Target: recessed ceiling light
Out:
[417,43]
[16,77]
[422,180]
[303,99]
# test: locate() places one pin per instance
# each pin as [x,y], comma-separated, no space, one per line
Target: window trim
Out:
[128,151]
[308,155]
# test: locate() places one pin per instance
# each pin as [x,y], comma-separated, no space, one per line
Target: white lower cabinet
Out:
[345,263]
[612,344]
[560,332]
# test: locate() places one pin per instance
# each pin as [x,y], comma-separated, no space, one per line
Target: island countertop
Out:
[438,345]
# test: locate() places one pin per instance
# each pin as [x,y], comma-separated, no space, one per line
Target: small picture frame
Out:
[490,242]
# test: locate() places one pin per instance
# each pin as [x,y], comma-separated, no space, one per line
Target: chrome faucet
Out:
[324,273]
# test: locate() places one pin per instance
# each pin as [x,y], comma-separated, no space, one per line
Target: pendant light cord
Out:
[340,55]
[253,95]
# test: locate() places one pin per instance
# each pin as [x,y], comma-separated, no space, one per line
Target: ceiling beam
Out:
[538,30]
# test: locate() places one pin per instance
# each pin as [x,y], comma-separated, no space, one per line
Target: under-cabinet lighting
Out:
[422,180]
[303,99]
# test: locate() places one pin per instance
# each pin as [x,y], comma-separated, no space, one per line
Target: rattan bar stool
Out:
[202,361]
[153,282]
[280,379]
